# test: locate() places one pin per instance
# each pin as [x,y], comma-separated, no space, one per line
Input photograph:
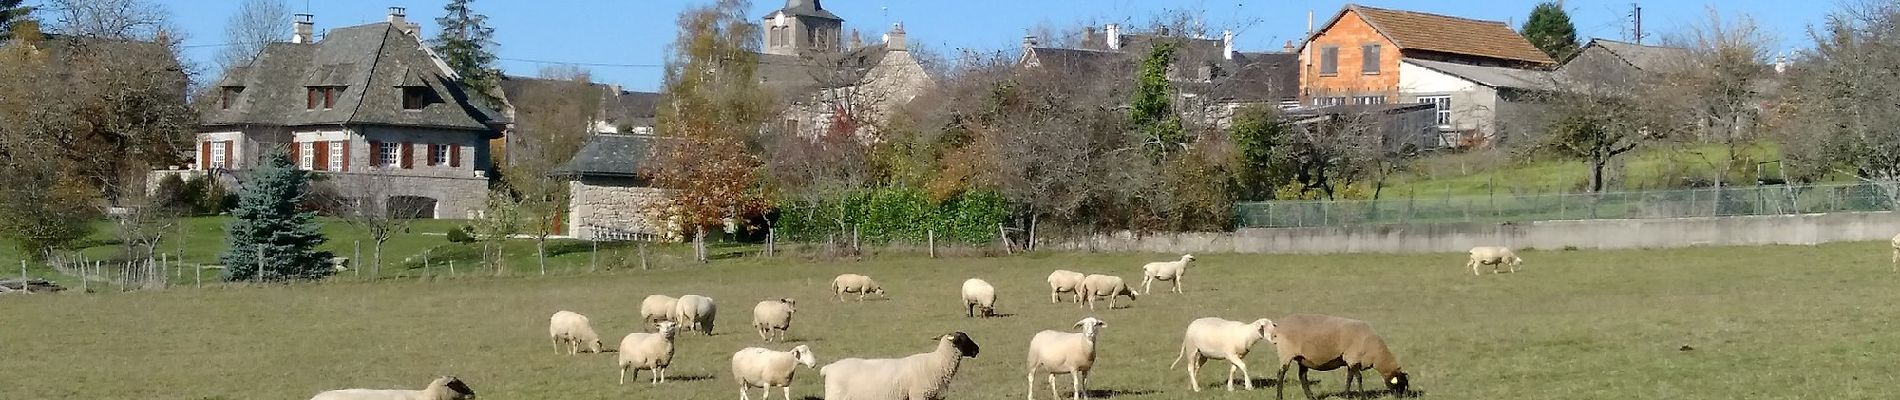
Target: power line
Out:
[584,64]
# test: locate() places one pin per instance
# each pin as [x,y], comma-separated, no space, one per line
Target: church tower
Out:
[802,26]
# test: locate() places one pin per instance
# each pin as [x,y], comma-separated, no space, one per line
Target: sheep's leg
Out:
[1279,390]
[1230,377]
[1247,377]
[1053,392]
[1031,393]
[1053,293]
[1305,385]
[623,374]
[787,389]
[1194,371]
[970,310]
[557,345]
[1352,374]
[1076,379]
[1474,264]
[1145,281]
[1177,285]
[742,393]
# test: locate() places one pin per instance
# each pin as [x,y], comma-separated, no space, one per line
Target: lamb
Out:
[443,388]
[1493,256]
[773,316]
[1325,343]
[854,283]
[1066,281]
[1064,353]
[979,296]
[695,313]
[1096,285]
[1170,271]
[1220,339]
[763,368]
[657,308]
[571,328]
[923,376]
[649,351]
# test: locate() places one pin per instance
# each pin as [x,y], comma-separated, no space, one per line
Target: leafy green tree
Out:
[268,223]
[1549,29]
[1152,111]
[467,44]
[1258,133]
[710,108]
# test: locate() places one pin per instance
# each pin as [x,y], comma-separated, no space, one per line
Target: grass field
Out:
[1763,322]
[1475,172]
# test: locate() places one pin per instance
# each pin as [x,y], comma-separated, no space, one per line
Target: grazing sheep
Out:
[649,351]
[1493,256]
[763,368]
[854,283]
[1104,286]
[1066,281]
[923,376]
[979,296]
[444,388]
[1325,343]
[1219,339]
[1064,353]
[657,308]
[773,316]
[571,328]
[1170,271]
[695,313]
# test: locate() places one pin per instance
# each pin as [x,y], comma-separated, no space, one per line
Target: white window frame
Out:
[1441,104]
[1368,100]
[336,155]
[390,155]
[441,154]
[307,155]
[217,155]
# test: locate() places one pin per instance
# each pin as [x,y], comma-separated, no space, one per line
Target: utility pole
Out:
[1636,13]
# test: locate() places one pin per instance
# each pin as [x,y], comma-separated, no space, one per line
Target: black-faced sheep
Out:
[1064,353]
[1325,343]
[1219,339]
[443,388]
[1170,271]
[923,376]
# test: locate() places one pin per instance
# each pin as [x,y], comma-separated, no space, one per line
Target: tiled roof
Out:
[606,155]
[373,62]
[1411,30]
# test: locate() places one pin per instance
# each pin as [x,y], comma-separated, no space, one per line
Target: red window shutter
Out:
[321,160]
[375,153]
[230,158]
[296,161]
[408,155]
[434,149]
[455,155]
[346,154]
[204,156]
[310,104]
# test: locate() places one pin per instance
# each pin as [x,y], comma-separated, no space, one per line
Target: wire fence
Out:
[1505,207]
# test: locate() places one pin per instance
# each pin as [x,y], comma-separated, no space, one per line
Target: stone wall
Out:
[600,208]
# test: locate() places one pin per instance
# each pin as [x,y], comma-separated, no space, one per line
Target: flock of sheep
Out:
[1304,341]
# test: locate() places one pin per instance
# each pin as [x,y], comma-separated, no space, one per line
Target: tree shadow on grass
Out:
[688,378]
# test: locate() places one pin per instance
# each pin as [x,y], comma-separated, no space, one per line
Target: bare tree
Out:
[500,221]
[1719,89]
[1840,109]
[557,113]
[109,19]
[368,201]
[255,24]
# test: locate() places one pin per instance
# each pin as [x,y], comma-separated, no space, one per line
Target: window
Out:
[324,96]
[1328,101]
[229,96]
[1369,58]
[336,155]
[1442,104]
[1329,61]
[307,155]
[217,154]
[1368,100]
[438,154]
[415,97]
[389,154]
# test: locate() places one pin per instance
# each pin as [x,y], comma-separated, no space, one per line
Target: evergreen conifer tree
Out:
[267,222]
[1549,29]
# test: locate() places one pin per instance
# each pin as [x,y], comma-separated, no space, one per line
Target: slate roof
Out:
[1496,77]
[373,62]
[608,155]
[1248,77]
[1643,57]
[1417,31]
[789,74]
[617,107]
[805,8]
[1263,77]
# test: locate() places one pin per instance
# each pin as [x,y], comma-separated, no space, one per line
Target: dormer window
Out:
[416,97]
[322,96]
[228,95]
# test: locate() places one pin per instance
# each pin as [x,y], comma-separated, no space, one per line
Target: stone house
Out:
[617,111]
[608,199]
[1212,76]
[1367,55]
[367,103]
[819,77]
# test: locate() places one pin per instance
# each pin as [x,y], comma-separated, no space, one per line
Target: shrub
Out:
[895,214]
[461,234]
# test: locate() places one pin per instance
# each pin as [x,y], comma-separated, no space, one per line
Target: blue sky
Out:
[635,33]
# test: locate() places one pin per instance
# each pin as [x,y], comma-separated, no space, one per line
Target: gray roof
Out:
[1080,62]
[1496,77]
[1247,77]
[805,8]
[607,155]
[789,74]
[618,107]
[373,62]
[1643,57]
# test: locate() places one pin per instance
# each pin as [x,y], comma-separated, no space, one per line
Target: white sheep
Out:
[1066,281]
[648,351]
[1170,271]
[572,329]
[923,376]
[443,388]
[774,316]
[1219,339]
[1325,343]
[1104,286]
[765,368]
[657,308]
[1064,353]
[1493,256]
[979,296]
[695,313]
[854,283]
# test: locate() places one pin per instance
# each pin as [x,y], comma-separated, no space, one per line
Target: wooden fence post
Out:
[593,256]
[930,240]
[1002,237]
[643,254]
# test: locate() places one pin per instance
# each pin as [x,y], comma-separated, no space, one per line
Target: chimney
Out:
[1114,33]
[1781,64]
[894,40]
[1029,41]
[857,41]
[1227,43]
[301,28]
[1164,31]
[399,17]
[1289,47]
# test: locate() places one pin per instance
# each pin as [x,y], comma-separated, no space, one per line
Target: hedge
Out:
[895,214]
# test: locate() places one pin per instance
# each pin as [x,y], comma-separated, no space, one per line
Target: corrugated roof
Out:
[371,61]
[1497,77]
[1411,30]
